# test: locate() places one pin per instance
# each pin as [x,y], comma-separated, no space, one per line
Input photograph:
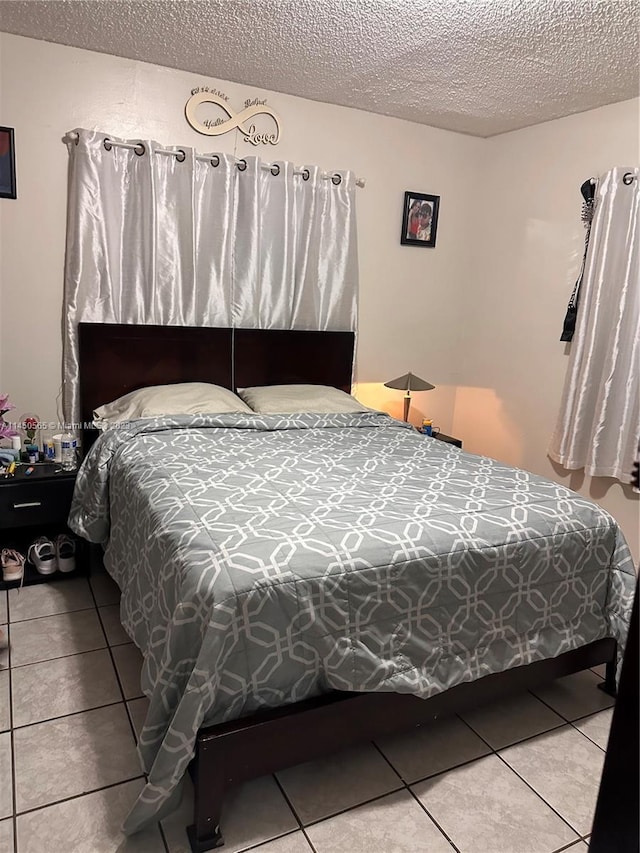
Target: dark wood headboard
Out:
[292,357]
[118,358]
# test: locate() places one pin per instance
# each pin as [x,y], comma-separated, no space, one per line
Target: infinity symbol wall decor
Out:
[239,120]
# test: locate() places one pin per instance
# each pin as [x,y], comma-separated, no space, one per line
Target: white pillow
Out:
[293,399]
[188,398]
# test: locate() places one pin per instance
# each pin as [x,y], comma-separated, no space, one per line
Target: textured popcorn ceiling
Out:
[477,66]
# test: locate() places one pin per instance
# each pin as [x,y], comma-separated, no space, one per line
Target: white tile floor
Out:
[518,777]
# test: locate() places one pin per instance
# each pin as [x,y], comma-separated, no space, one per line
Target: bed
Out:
[308,582]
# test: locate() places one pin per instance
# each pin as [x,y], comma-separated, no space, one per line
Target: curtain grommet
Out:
[215,161]
[305,174]
[628,178]
[336,179]
[242,165]
[107,144]
[182,158]
[142,148]
[275,170]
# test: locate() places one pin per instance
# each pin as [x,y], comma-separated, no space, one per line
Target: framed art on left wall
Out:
[7,164]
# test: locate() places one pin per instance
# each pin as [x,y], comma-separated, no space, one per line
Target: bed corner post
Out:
[609,684]
[204,833]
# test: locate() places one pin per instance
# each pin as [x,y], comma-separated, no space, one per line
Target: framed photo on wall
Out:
[7,164]
[420,219]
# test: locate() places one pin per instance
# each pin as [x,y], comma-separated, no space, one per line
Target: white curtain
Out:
[196,241]
[598,425]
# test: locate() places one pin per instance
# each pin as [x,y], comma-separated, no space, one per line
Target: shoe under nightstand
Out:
[38,505]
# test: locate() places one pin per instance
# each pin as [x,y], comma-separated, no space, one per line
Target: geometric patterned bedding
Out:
[266,559]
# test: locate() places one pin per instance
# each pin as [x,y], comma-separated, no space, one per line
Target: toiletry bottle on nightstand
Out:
[68,446]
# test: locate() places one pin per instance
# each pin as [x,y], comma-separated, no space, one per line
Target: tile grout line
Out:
[567,846]
[351,808]
[517,742]
[163,837]
[117,674]
[471,761]
[403,787]
[581,716]
[71,654]
[58,657]
[591,714]
[407,787]
[539,795]
[441,772]
[49,584]
[124,701]
[576,719]
[590,739]
[78,796]
[380,752]
[49,615]
[293,811]
[14,783]
[431,817]
[71,714]
[403,784]
[547,705]
[81,710]
[308,840]
[491,748]
[262,844]
[305,826]
[93,606]
[513,770]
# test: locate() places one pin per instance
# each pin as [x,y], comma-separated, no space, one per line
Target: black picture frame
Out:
[420,219]
[7,163]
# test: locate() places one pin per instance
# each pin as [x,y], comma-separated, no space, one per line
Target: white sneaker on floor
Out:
[12,565]
[66,552]
[42,554]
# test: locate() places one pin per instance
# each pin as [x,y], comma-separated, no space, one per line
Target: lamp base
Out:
[407,403]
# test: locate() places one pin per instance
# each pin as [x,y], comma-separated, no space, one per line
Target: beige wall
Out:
[479,317]
[512,361]
[409,296]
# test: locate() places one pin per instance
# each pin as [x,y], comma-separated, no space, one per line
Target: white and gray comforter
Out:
[265,559]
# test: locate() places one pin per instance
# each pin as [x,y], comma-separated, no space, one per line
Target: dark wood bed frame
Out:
[116,359]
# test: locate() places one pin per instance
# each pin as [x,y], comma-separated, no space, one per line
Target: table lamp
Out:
[409,382]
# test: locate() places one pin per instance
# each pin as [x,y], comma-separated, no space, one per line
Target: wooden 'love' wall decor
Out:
[217,126]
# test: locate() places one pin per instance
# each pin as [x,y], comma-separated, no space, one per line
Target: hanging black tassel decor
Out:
[588,190]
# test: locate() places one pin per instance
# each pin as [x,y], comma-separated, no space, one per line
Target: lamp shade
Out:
[409,382]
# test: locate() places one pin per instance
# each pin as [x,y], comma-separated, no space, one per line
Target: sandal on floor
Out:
[12,565]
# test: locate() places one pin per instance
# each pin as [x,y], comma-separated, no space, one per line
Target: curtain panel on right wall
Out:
[598,425]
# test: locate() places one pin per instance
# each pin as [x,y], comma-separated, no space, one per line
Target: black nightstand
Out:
[38,505]
[449,439]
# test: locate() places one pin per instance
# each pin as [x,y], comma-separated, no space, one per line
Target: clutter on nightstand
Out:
[29,423]
[7,459]
[36,545]
[428,428]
